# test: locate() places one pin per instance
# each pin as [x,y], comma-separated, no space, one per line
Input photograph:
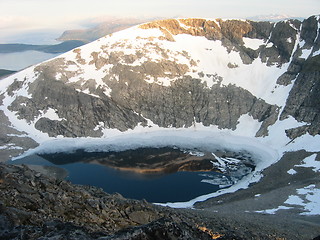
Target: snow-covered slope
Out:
[178,82]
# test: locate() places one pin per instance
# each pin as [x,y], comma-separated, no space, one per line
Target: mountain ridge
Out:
[114,75]
[100,30]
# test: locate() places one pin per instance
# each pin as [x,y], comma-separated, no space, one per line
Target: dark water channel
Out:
[157,175]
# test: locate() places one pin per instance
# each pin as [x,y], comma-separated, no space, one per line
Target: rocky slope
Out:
[33,206]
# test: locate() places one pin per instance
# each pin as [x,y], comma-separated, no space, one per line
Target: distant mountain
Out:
[4,73]
[273,17]
[57,48]
[100,30]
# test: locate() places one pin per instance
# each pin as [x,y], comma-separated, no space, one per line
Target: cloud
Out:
[67,14]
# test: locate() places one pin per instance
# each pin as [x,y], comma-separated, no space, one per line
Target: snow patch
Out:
[312,195]
[316,53]
[305,53]
[307,142]
[310,162]
[308,198]
[279,139]
[51,114]
[10,147]
[59,76]
[99,126]
[292,171]
[269,45]
[274,210]
[253,43]
[294,200]
[247,126]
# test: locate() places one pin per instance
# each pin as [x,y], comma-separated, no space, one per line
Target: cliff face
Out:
[174,73]
[232,32]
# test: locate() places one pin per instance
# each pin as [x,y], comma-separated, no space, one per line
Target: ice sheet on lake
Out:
[219,180]
[199,140]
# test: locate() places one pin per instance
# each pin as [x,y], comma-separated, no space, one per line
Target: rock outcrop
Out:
[14,142]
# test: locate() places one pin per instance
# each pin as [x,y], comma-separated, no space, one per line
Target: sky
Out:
[18,16]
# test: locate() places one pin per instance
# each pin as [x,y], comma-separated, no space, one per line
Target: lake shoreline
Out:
[159,175]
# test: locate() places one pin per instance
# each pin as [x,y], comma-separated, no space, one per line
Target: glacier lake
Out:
[158,175]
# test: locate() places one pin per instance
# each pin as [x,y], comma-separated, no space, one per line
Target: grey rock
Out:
[303,101]
[281,33]
[309,31]
[13,141]
[80,113]
[294,69]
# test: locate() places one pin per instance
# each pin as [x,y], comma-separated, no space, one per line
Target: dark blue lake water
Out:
[160,188]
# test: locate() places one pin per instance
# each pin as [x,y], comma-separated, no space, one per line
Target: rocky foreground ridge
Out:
[33,206]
